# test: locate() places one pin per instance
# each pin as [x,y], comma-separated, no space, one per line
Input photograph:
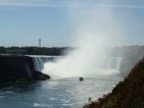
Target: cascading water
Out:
[38,64]
[67,67]
[28,70]
[39,61]
[113,64]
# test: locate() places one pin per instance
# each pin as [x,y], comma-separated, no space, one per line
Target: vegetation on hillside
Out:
[127,94]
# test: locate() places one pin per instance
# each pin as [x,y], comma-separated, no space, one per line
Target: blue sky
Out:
[23,22]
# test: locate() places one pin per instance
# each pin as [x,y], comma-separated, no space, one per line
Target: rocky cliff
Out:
[14,68]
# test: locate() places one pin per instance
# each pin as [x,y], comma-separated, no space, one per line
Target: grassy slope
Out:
[127,94]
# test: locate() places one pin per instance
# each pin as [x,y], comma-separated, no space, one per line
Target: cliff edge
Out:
[15,68]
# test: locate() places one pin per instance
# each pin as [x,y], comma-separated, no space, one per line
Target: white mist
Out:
[94,30]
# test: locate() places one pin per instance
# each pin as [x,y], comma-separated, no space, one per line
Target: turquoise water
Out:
[60,93]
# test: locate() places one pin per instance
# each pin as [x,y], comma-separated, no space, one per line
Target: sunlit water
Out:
[61,93]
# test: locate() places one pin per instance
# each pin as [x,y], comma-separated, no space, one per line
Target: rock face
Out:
[127,94]
[19,69]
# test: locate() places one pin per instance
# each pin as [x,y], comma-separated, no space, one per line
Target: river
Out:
[58,93]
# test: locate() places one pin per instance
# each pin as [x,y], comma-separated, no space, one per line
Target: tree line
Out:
[34,50]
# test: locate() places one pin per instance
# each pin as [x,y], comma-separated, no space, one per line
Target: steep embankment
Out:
[127,94]
[14,68]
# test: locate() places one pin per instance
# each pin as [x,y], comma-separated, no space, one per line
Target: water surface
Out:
[60,93]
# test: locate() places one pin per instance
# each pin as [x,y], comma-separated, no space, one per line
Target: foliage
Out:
[89,102]
[110,103]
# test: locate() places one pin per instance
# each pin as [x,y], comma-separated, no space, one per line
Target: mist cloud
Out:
[95,28]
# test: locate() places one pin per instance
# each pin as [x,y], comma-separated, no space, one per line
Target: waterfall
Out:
[28,70]
[67,68]
[113,63]
[38,63]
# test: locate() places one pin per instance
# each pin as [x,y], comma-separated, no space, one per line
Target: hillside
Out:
[127,94]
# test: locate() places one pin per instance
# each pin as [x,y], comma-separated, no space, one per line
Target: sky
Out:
[58,22]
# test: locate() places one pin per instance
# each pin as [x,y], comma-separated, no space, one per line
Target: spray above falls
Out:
[88,61]
[95,29]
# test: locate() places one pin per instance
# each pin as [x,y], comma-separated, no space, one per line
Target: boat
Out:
[81,78]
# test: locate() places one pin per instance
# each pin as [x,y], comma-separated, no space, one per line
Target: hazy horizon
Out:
[60,23]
